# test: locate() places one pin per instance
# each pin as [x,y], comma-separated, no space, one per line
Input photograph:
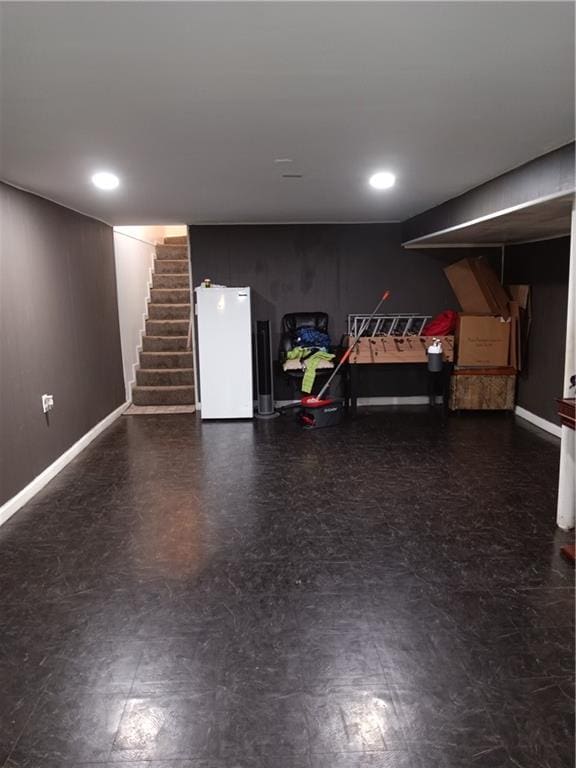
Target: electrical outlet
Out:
[47,403]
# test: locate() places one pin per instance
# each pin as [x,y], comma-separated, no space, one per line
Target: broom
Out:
[311,399]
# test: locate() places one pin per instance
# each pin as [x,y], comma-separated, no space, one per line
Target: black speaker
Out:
[264,371]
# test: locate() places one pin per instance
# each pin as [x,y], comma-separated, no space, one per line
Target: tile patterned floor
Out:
[384,594]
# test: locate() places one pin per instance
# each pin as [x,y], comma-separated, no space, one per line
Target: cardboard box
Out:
[492,287]
[515,356]
[520,293]
[520,308]
[482,341]
[477,287]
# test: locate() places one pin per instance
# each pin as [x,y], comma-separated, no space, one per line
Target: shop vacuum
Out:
[319,411]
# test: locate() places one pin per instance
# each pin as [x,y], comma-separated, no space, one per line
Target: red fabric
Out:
[443,324]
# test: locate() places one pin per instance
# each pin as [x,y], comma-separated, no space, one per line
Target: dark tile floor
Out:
[384,594]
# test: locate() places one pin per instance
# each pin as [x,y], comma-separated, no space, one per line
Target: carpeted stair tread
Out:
[167,327]
[172,251]
[191,386]
[170,295]
[164,377]
[151,360]
[165,370]
[176,240]
[168,311]
[170,281]
[170,267]
[165,344]
[178,395]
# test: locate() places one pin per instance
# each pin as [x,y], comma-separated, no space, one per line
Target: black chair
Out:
[288,340]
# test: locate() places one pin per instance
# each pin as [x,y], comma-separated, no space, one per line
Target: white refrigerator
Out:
[224,325]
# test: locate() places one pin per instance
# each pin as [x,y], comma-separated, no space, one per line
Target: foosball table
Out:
[392,340]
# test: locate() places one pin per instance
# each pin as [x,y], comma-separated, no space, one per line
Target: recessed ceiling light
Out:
[283,160]
[105,180]
[382,180]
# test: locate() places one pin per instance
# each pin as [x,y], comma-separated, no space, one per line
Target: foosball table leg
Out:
[353,389]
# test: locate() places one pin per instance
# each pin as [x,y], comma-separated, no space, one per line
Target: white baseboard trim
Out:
[413,400]
[22,497]
[538,421]
[400,400]
[132,382]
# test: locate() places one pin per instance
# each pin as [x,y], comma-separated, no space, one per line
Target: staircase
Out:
[165,374]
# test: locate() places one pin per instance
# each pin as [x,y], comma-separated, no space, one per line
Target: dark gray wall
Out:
[546,175]
[59,332]
[544,266]
[336,268]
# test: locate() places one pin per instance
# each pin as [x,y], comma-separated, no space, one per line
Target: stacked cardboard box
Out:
[492,332]
[521,318]
[482,341]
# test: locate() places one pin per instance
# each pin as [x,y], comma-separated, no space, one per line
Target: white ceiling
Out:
[191,102]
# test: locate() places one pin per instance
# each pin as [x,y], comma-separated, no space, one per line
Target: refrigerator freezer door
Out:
[225,352]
